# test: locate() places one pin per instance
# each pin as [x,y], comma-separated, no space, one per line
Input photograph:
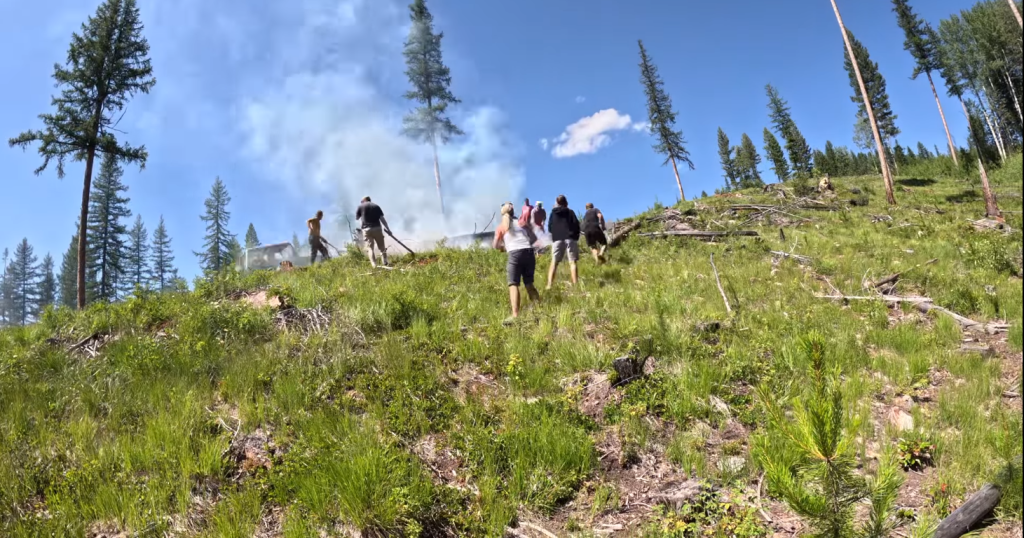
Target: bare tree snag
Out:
[886,176]
[718,281]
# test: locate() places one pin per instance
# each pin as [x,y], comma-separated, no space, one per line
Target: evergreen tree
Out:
[921,44]
[107,233]
[5,290]
[776,156]
[216,253]
[662,118]
[106,65]
[899,155]
[162,269]
[47,287]
[137,268]
[251,239]
[430,80]
[831,161]
[922,151]
[796,144]
[69,274]
[747,161]
[877,94]
[24,284]
[726,158]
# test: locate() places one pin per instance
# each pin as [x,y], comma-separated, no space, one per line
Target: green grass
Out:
[131,436]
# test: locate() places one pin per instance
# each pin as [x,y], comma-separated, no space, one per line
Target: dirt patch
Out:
[249,453]
[260,299]
[271,523]
[596,393]
[469,382]
[436,455]
[107,530]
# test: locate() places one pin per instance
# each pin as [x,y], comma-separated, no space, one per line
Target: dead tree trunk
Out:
[1016,12]
[971,513]
[890,196]
[991,208]
[678,182]
[949,137]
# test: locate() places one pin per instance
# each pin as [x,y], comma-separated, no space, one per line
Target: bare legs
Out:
[514,297]
[573,272]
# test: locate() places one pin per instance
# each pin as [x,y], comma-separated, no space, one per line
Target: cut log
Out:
[617,237]
[701,234]
[986,351]
[891,279]
[718,281]
[795,257]
[926,305]
[970,514]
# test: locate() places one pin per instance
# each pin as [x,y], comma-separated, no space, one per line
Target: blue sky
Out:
[296,106]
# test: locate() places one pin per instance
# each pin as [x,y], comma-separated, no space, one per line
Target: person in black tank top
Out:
[593,232]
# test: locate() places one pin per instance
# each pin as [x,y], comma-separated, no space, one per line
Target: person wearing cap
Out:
[540,216]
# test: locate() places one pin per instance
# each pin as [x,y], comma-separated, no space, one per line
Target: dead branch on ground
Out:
[926,305]
[718,281]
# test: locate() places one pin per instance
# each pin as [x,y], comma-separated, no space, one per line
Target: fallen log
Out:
[617,237]
[701,234]
[796,257]
[891,279]
[970,514]
[718,281]
[926,305]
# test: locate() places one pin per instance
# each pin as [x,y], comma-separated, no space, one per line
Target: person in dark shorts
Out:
[316,244]
[518,242]
[565,237]
[593,231]
[374,225]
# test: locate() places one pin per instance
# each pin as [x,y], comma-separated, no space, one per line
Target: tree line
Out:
[977,53]
[107,64]
[119,257]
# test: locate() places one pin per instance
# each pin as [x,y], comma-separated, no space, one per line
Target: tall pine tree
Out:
[107,233]
[747,161]
[776,156]
[24,283]
[107,64]
[216,253]
[47,287]
[431,81]
[727,160]
[662,118]
[251,239]
[68,279]
[890,195]
[162,268]
[796,144]
[921,44]
[877,94]
[136,262]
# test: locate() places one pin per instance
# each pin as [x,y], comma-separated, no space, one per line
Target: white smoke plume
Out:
[329,128]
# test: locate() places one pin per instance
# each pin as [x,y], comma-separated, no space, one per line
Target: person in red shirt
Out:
[525,216]
[540,216]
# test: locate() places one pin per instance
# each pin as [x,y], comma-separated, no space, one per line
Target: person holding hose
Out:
[316,242]
[374,226]
[518,242]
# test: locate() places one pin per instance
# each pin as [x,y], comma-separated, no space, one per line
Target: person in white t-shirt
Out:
[518,242]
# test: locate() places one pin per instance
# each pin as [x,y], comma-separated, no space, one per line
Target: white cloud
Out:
[642,126]
[591,133]
[580,99]
[544,143]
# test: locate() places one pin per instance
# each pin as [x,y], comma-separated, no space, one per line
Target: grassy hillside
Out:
[397,403]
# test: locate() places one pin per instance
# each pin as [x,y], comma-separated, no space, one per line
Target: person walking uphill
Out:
[526,214]
[565,236]
[316,243]
[593,230]
[374,225]
[540,216]
[517,241]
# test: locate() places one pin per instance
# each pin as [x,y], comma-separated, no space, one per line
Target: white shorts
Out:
[559,248]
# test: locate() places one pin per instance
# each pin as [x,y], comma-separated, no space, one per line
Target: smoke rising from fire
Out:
[329,128]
